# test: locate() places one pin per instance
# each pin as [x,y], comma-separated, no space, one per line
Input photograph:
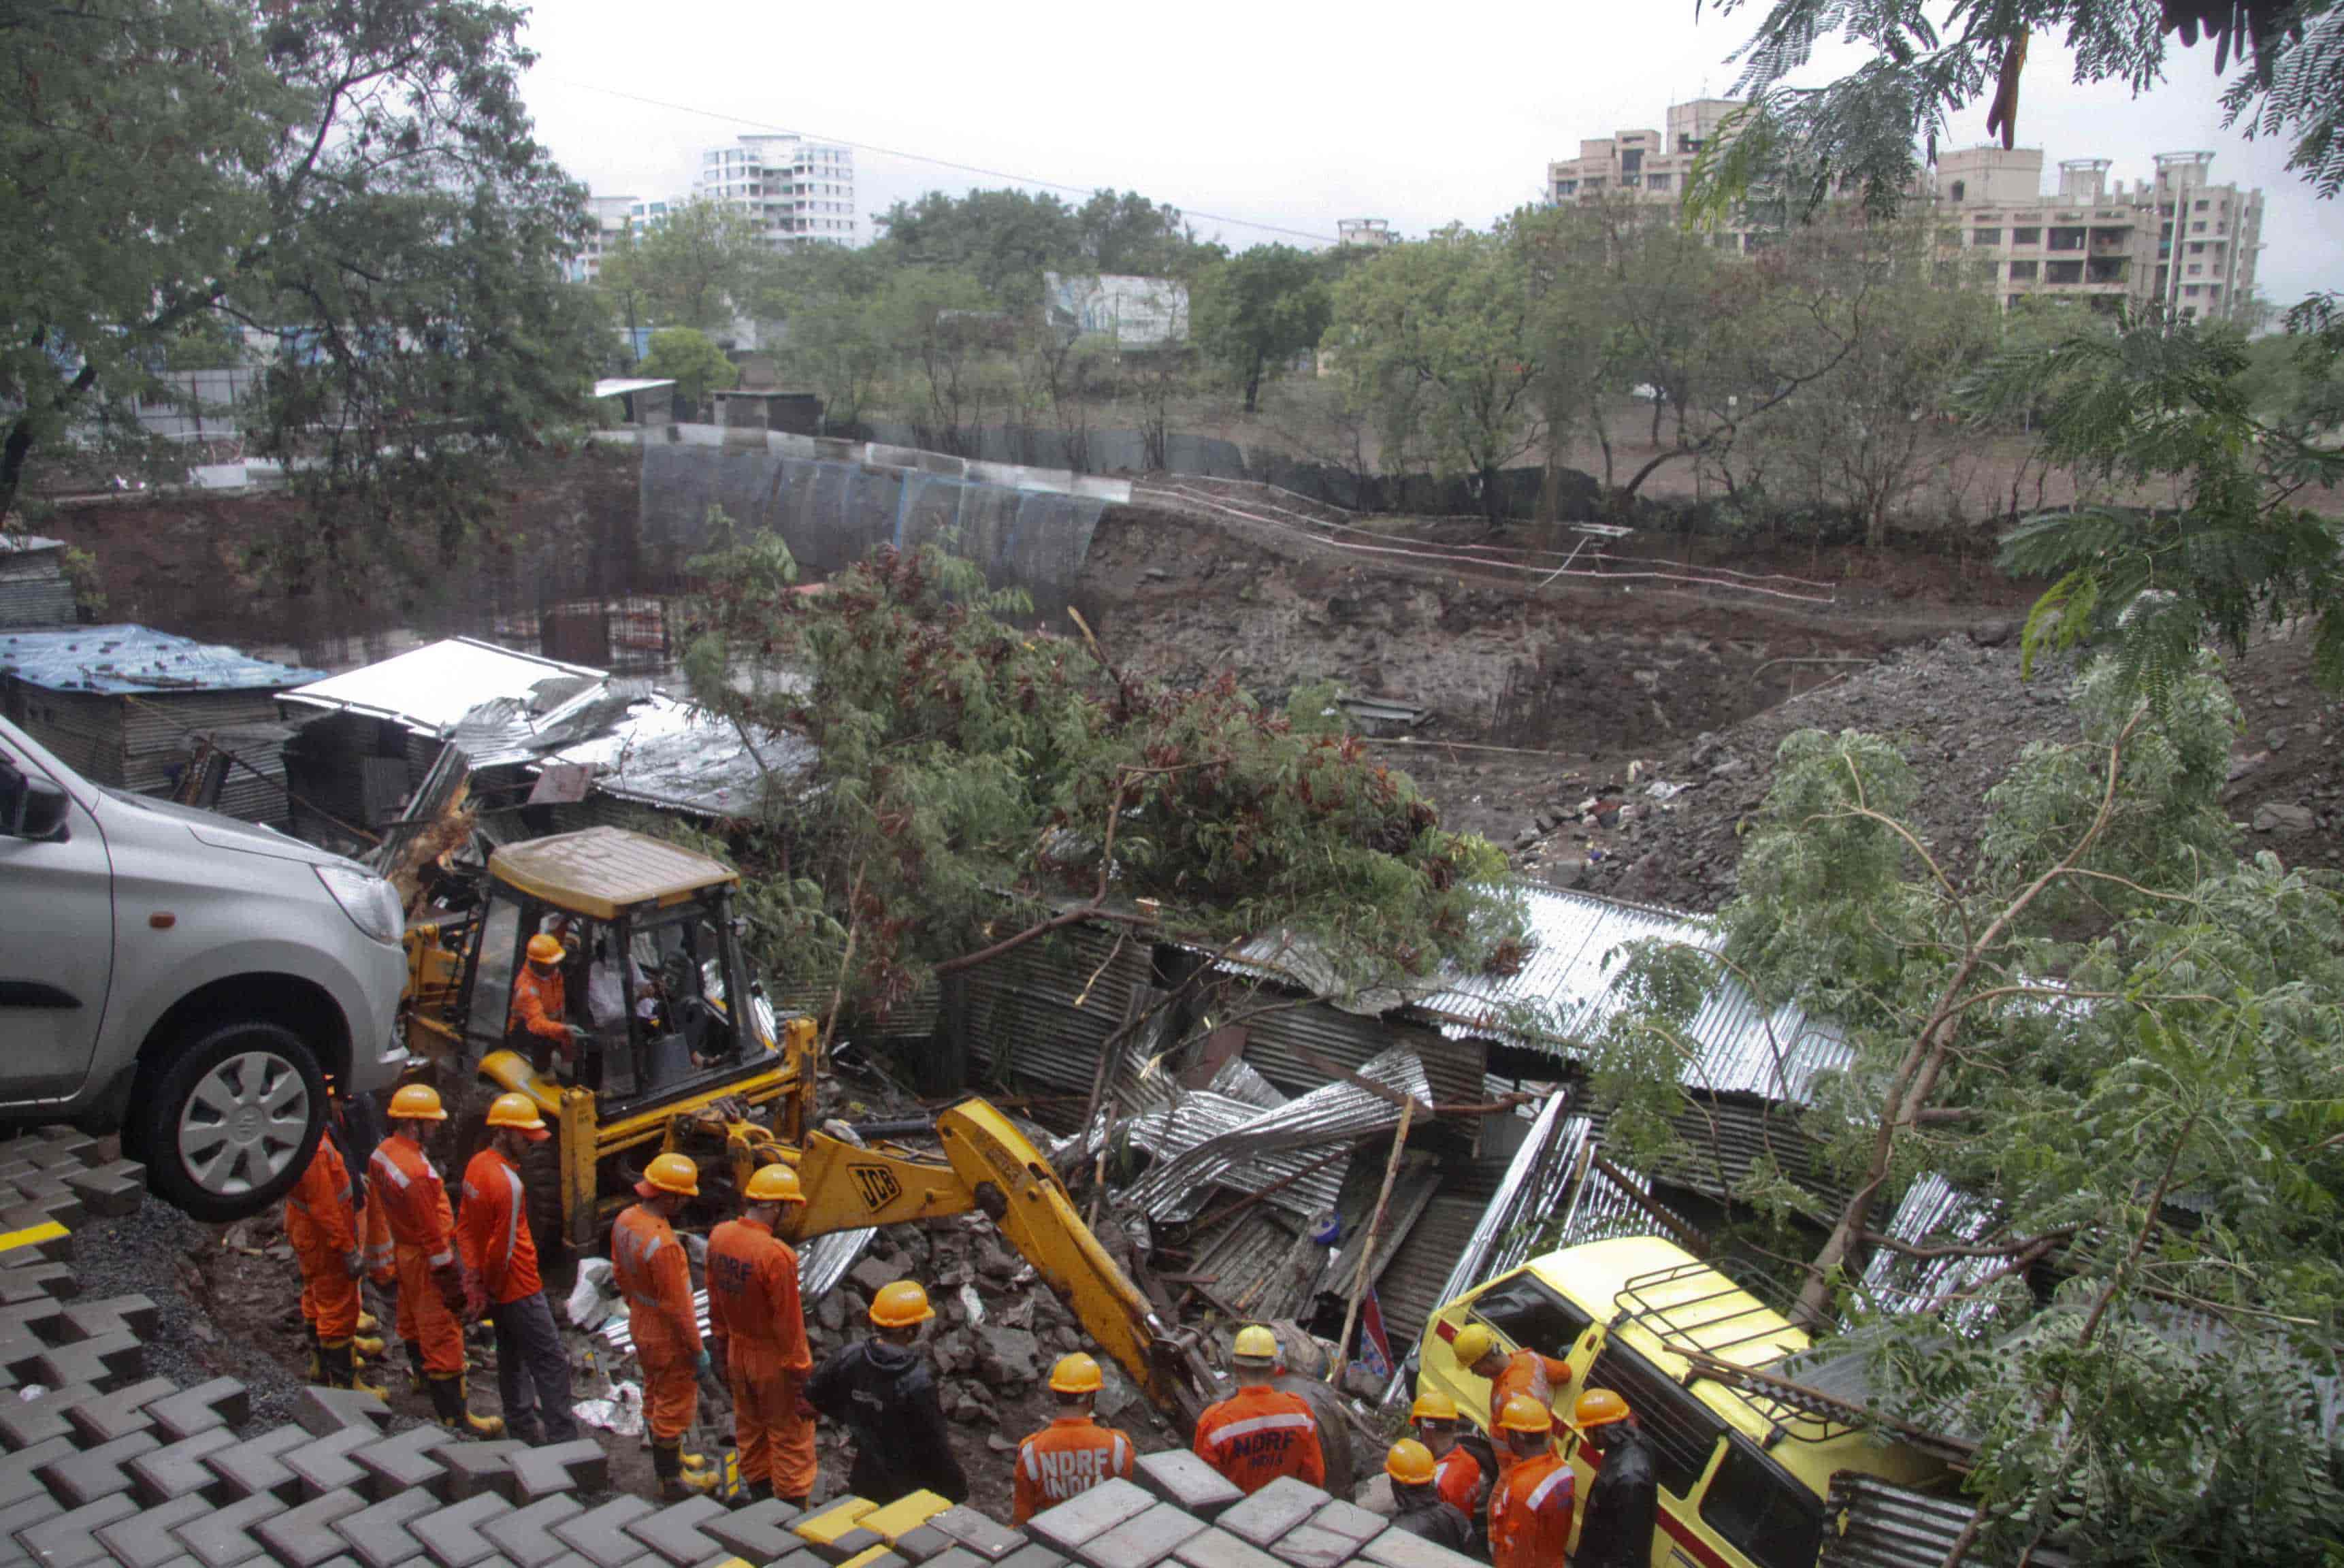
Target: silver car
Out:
[186,979]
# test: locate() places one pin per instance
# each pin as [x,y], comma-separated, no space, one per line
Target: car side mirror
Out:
[31,805]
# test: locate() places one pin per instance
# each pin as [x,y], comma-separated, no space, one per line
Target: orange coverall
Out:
[422,1232]
[537,1004]
[1257,1435]
[323,1227]
[1526,1372]
[1456,1475]
[649,1264]
[494,1231]
[1067,1459]
[759,1326]
[1530,1514]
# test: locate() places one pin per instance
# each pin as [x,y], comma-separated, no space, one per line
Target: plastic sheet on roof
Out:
[674,754]
[434,687]
[126,659]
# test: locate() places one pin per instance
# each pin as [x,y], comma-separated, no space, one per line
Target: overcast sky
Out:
[1275,119]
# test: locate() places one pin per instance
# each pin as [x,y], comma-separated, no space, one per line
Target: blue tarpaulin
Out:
[122,660]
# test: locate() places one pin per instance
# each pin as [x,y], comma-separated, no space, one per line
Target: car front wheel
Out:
[229,1123]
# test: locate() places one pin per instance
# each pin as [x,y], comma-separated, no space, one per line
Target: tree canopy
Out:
[1261,306]
[697,268]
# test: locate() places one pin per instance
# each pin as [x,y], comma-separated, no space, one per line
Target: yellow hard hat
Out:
[1526,1412]
[1599,1407]
[670,1173]
[775,1183]
[1433,1407]
[1076,1374]
[417,1102]
[1473,1341]
[1410,1462]
[519,1112]
[1255,1343]
[900,1305]
[545,949]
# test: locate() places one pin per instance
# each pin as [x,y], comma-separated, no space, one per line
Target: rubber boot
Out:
[415,1378]
[316,1369]
[368,1322]
[448,1402]
[342,1369]
[675,1482]
[367,1346]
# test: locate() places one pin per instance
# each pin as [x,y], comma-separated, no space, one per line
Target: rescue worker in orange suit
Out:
[1259,1432]
[502,1279]
[1510,1373]
[1074,1453]
[1458,1474]
[758,1323]
[1529,1513]
[1421,1510]
[651,1271]
[538,1022]
[1623,1505]
[886,1393]
[423,1246]
[324,1221]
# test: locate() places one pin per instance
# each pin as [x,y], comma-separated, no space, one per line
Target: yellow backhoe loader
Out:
[666,1043]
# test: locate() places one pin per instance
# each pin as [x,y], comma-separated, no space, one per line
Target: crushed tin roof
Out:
[436,687]
[619,386]
[122,660]
[28,543]
[678,755]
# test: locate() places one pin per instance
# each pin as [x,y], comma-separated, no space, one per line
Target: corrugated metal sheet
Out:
[678,757]
[1276,1043]
[1025,1024]
[1261,1264]
[1892,1526]
[1197,1118]
[37,599]
[1934,1210]
[434,687]
[135,742]
[1414,1283]
[124,659]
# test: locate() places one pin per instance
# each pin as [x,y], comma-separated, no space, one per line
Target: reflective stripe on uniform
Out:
[1033,1461]
[1119,1448]
[1545,1489]
[512,1212]
[390,1167]
[441,1259]
[1256,1424]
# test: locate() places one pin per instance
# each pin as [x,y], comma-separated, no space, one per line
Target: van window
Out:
[1754,1504]
[1532,1315]
[1683,1430]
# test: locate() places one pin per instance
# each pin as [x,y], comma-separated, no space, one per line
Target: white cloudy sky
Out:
[1278,116]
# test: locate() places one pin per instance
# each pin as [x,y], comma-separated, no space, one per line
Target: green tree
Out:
[358,183]
[2125,1045]
[1260,308]
[981,784]
[829,301]
[697,366]
[948,348]
[1436,338]
[697,268]
[1005,239]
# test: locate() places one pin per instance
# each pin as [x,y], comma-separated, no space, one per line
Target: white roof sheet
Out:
[432,687]
[617,386]
[665,752]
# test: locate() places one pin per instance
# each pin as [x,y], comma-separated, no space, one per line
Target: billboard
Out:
[1136,312]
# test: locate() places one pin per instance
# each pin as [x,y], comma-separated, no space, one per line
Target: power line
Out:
[768,127]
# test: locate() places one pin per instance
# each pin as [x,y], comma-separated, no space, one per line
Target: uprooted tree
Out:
[981,785]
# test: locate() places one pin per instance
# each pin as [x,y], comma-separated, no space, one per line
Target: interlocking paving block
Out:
[108,1361]
[222,1401]
[324,1412]
[1079,1519]
[305,1536]
[803,1557]
[177,1469]
[111,1190]
[381,1536]
[857,1542]
[472,1467]
[452,1534]
[1185,1481]
[25,1236]
[526,1534]
[87,1320]
[907,1512]
[70,1540]
[950,1557]
[20,1472]
[24,1423]
[1142,1541]
[1217,1548]
[27,1282]
[878,1556]
[223,1537]
[1273,1510]
[403,1461]
[145,1539]
[1350,1520]
[927,1544]
[675,1532]
[759,1532]
[24,1515]
[95,1473]
[826,1524]
[323,1463]
[578,1465]
[600,1534]
[55,1144]
[121,1412]
[257,1465]
[41,1318]
[988,1537]
[1307,1546]
[1399,1549]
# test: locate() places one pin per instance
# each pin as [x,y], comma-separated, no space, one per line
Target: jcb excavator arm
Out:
[996,1168]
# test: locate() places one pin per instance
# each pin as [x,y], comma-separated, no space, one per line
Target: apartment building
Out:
[1366,233]
[2175,238]
[1645,166]
[798,192]
[613,216]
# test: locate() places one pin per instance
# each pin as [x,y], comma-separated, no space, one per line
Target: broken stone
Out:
[969,1404]
[1007,1358]
[874,1273]
[2274,817]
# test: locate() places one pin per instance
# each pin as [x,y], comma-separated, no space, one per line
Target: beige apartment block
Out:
[1645,166]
